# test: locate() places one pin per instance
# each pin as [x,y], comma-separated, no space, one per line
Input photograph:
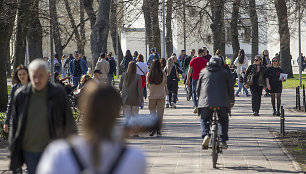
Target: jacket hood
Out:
[214,64]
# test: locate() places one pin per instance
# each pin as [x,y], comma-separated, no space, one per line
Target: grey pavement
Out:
[252,147]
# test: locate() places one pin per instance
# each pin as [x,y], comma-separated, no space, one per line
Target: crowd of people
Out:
[39,111]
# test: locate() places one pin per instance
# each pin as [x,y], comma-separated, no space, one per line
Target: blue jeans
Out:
[240,85]
[31,159]
[76,81]
[206,118]
[64,72]
[194,92]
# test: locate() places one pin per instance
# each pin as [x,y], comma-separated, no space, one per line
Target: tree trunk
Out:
[99,33]
[35,34]
[88,6]
[148,22]
[218,26]
[23,15]
[169,41]
[114,34]
[56,29]
[254,22]
[234,28]
[155,24]
[284,34]
[82,28]
[7,17]
[75,29]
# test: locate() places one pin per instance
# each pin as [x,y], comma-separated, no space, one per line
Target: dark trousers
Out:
[76,81]
[172,88]
[206,118]
[256,97]
[31,159]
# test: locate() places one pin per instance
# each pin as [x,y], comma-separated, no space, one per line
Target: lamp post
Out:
[164,40]
[300,54]
[51,44]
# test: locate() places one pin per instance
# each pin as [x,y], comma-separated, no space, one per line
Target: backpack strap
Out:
[82,167]
[117,161]
[75,155]
[141,70]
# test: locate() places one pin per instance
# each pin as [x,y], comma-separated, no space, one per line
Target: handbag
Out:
[249,80]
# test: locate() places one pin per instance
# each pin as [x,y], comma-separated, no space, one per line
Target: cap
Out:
[97,71]
[152,49]
[102,55]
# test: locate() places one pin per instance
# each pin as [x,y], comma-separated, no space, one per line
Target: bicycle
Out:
[215,137]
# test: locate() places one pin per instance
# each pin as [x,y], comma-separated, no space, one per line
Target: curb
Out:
[285,151]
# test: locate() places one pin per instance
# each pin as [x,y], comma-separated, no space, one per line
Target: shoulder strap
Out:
[117,161]
[141,70]
[75,155]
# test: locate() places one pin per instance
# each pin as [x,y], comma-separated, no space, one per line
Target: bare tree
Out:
[169,41]
[34,35]
[284,34]
[234,28]
[217,27]
[114,32]
[23,16]
[254,22]
[148,22]
[155,25]
[99,33]
[8,10]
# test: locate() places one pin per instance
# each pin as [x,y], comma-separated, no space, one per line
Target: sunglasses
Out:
[274,60]
[256,59]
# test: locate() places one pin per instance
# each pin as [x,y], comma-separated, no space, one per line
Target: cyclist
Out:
[215,88]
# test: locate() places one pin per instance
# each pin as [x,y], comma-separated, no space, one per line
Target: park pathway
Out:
[252,147]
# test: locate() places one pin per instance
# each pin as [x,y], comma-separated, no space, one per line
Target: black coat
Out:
[60,119]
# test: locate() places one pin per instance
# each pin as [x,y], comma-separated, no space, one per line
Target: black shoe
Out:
[274,113]
[152,133]
[255,114]
[158,134]
[278,113]
[224,145]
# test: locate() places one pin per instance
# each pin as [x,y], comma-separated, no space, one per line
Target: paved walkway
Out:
[252,147]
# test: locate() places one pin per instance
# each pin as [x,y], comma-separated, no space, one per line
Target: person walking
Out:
[41,113]
[20,78]
[64,66]
[153,55]
[157,91]
[131,90]
[241,61]
[135,55]
[172,71]
[142,70]
[215,88]
[97,151]
[67,63]
[274,84]
[112,68]
[103,66]
[255,78]
[77,68]
[195,67]
[266,62]
[126,60]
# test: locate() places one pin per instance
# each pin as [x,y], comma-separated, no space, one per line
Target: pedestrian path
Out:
[252,147]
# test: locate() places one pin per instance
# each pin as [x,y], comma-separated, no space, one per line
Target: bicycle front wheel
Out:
[214,144]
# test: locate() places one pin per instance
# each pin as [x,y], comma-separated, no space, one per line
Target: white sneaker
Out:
[205,142]
[173,105]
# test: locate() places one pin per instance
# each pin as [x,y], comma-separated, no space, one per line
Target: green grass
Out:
[294,82]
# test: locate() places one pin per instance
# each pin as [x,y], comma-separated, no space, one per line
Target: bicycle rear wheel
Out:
[214,144]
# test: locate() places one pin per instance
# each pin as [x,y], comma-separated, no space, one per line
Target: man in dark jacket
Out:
[215,89]
[112,68]
[40,114]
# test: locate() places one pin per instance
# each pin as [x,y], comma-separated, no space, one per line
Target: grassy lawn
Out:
[294,82]
[295,142]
